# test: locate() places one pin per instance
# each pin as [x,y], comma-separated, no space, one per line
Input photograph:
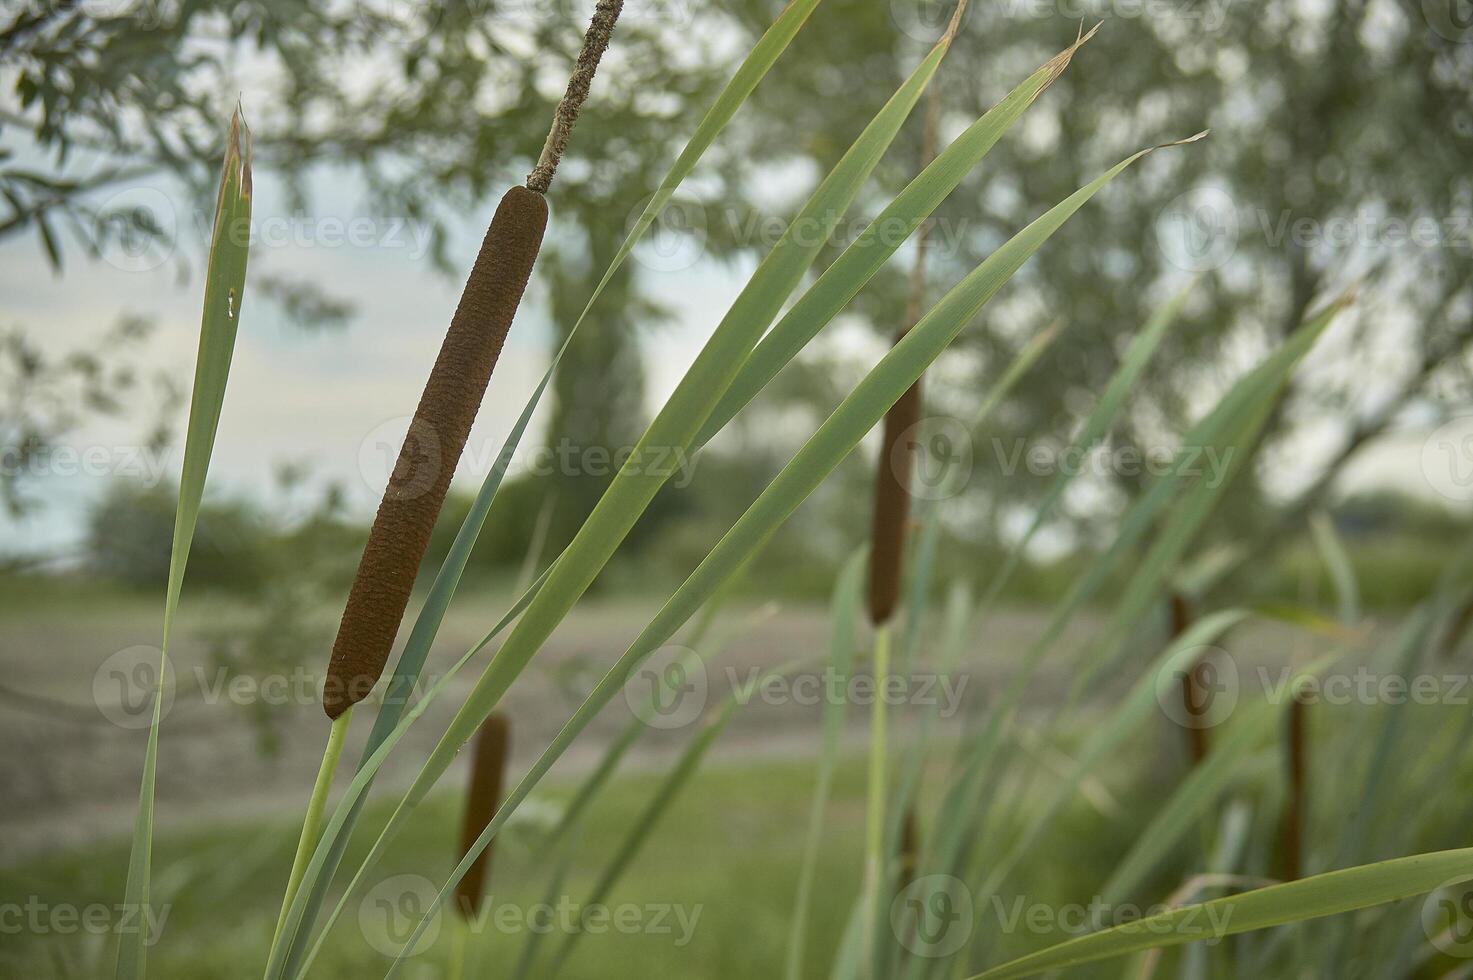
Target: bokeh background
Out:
[384,131]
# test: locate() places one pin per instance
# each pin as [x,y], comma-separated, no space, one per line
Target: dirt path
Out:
[73,753]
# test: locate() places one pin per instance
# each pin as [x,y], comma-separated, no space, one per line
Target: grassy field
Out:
[723,862]
[711,893]
[713,888]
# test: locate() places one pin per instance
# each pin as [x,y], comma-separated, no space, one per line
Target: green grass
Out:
[731,843]
[727,849]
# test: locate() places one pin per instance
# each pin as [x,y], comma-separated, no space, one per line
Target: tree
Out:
[1336,131]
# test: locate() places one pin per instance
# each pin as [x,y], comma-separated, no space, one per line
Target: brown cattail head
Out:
[488,766]
[1291,830]
[416,490]
[892,504]
[1181,621]
[910,850]
[897,450]
[1181,614]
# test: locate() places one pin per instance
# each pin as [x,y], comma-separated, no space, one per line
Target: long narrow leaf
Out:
[1263,908]
[823,452]
[634,487]
[844,618]
[848,274]
[224,289]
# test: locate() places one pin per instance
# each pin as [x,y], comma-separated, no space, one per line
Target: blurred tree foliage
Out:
[44,397]
[432,107]
[1335,127]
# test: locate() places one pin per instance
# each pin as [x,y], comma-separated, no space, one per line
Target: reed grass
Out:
[739,359]
[451,399]
[390,724]
[448,406]
[1261,908]
[437,435]
[896,464]
[834,440]
[312,822]
[633,488]
[225,278]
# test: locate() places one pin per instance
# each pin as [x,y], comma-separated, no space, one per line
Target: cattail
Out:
[488,766]
[892,505]
[909,857]
[448,406]
[1291,829]
[1181,621]
[897,465]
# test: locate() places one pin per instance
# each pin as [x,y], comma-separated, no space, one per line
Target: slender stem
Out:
[595,41]
[312,823]
[458,951]
[875,828]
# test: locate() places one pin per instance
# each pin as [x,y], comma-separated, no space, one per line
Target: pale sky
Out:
[323,397]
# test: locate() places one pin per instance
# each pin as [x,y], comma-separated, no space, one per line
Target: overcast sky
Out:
[339,399]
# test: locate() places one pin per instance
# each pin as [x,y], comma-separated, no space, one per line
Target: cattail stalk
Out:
[1291,829]
[876,901]
[910,850]
[488,770]
[437,435]
[448,406]
[432,447]
[892,498]
[896,464]
[312,824]
[1191,695]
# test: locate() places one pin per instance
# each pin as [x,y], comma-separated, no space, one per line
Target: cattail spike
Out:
[488,768]
[910,850]
[897,463]
[1181,621]
[892,505]
[432,447]
[1291,830]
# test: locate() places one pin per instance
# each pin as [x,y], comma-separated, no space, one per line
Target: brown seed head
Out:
[488,767]
[892,505]
[416,490]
